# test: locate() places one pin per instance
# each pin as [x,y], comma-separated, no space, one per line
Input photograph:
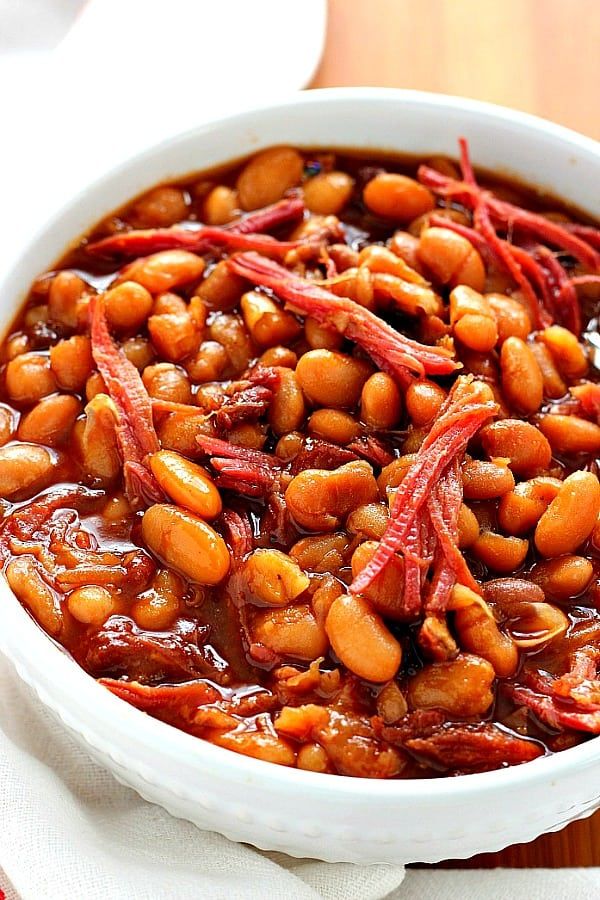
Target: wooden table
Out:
[541,56]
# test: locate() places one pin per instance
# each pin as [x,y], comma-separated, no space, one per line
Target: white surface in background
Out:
[128,73]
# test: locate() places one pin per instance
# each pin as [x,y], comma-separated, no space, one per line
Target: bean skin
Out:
[361,640]
[185,543]
[485,480]
[186,483]
[24,469]
[268,175]
[563,578]
[522,382]
[521,509]
[522,444]
[461,686]
[332,379]
[502,554]
[571,434]
[570,518]
[318,499]
[51,421]
[397,197]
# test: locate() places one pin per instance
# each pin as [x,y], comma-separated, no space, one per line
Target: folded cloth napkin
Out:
[69,830]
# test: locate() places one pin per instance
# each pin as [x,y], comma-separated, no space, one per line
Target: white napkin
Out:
[69,830]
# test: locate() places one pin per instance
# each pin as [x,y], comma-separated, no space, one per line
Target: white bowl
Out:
[302,813]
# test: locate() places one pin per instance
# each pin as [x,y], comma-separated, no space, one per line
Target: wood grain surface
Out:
[540,56]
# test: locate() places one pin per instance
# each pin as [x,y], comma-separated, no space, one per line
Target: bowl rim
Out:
[87,707]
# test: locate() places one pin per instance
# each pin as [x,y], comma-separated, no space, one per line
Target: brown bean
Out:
[95,440]
[289,445]
[406,246]
[64,297]
[29,378]
[267,322]
[461,686]
[168,302]
[127,306]
[14,345]
[290,631]
[397,197]
[361,640]
[484,480]
[328,192]
[520,510]
[451,258]
[28,585]
[221,289]
[164,271]
[566,351]
[468,527]
[522,382]
[319,337]
[230,331]
[138,351]
[279,356]
[502,554]
[563,578]
[167,382]
[287,410]
[220,206]
[24,469]
[318,499]
[368,521]
[392,474]
[208,363]
[8,421]
[50,421]
[423,401]
[329,588]
[570,518]
[252,435]
[274,577]
[503,592]
[71,362]
[478,633]
[524,447]
[333,379]
[512,319]
[380,402]
[473,319]
[268,175]
[554,386]
[159,208]
[385,592]
[178,431]
[321,553]
[174,335]
[91,604]
[334,425]
[185,543]
[571,434]
[186,483]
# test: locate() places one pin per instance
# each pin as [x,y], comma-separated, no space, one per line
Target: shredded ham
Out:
[426,505]
[135,429]
[392,351]
[570,701]
[244,234]
[540,268]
